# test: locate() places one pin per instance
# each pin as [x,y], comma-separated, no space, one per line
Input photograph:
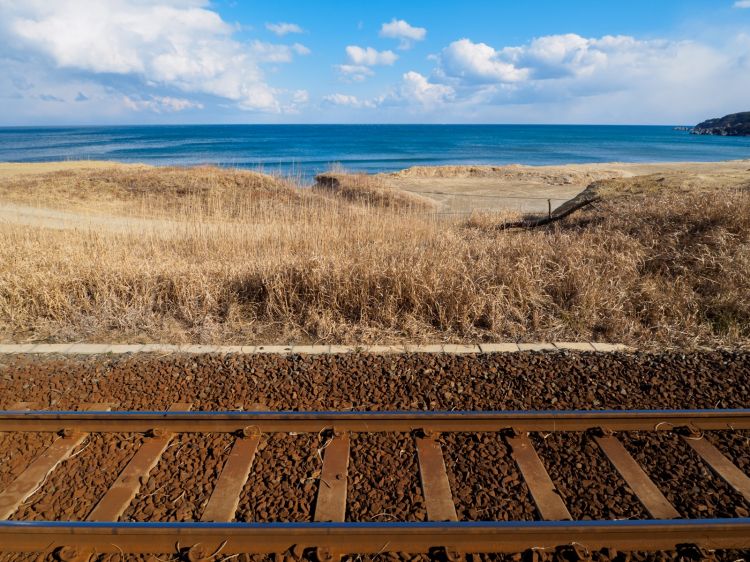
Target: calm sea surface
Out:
[308,149]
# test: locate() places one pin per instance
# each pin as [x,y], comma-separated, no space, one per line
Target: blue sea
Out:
[308,149]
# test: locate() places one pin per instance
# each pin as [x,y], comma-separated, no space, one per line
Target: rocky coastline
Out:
[734,125]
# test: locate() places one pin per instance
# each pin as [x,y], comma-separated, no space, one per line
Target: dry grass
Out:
[263,262]
[151,192]
[371,191]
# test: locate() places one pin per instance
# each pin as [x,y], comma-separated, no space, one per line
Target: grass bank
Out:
[220,256]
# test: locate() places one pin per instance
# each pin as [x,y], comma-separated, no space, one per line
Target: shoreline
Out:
[95,163]
[461,189]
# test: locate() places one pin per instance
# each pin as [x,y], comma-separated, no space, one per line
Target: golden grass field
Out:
[111,253]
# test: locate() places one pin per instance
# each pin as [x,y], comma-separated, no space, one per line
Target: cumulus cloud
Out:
[477,63]
[354,72]
[272,52]
[347,100]
[300,97]
[160,104]
[367,56]
[174,44]
[610,76]
[557,57]
[283,28]
[417,89]
[400,29]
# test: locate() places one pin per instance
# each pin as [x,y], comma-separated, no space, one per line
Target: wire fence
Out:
[491,210]
[485,196]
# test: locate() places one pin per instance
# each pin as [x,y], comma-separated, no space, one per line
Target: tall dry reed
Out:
[272,263]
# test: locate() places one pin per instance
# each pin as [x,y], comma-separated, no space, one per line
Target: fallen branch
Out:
[560,213]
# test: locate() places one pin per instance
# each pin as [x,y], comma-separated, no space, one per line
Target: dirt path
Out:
[11,169]
[11,213]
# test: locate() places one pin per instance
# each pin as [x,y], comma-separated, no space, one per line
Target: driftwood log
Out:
[580,201]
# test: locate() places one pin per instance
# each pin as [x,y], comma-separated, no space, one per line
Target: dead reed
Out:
[209,256]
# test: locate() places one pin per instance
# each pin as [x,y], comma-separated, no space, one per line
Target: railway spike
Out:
[688,430]
[197,554]
[73,554]
[603,432]
[200,553]
[452,554]
[298,551]
[249,431]
[691,551]
[446,554]
[325,554]
[67,433]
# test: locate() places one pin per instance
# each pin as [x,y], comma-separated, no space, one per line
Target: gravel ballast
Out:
[512,381]
[383,483]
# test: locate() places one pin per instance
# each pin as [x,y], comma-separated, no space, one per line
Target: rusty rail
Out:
[370,538]
[372,421]
[329,534]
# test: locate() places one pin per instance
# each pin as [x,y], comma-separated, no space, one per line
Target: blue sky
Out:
[286,61]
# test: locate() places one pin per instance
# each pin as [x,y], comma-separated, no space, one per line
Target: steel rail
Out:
[373,421]
[369,538]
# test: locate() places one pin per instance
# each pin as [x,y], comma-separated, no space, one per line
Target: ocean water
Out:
[309,149]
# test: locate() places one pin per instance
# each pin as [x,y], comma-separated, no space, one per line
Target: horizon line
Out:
[51,126]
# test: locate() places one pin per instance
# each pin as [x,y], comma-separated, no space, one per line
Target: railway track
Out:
[329,536]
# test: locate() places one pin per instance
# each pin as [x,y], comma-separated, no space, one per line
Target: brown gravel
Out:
[181,484]
[384,480]
[17,451]
[485,482]
[588,483]
[529,380]
[284,479]
[735,445]
[383,483]
[72,490]
[164,557]
[686,481]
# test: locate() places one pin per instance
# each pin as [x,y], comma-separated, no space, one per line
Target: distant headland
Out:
[734,125]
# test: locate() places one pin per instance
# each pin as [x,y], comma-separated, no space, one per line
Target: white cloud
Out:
[417,93]
[283,28]
[477,63]
[416,89]
[293,102]
[175,44]
[558,57]
[354,72]
[742,4]
[367,56]
[347,100]
[300,97]
[400,29]
[605,79]
[273,52]
[160,104]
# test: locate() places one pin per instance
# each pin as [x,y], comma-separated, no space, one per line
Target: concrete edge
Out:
[457,349]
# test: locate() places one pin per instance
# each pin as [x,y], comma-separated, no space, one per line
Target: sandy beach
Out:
[527,188]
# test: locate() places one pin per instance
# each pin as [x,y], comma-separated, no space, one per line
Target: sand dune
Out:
[527,188]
